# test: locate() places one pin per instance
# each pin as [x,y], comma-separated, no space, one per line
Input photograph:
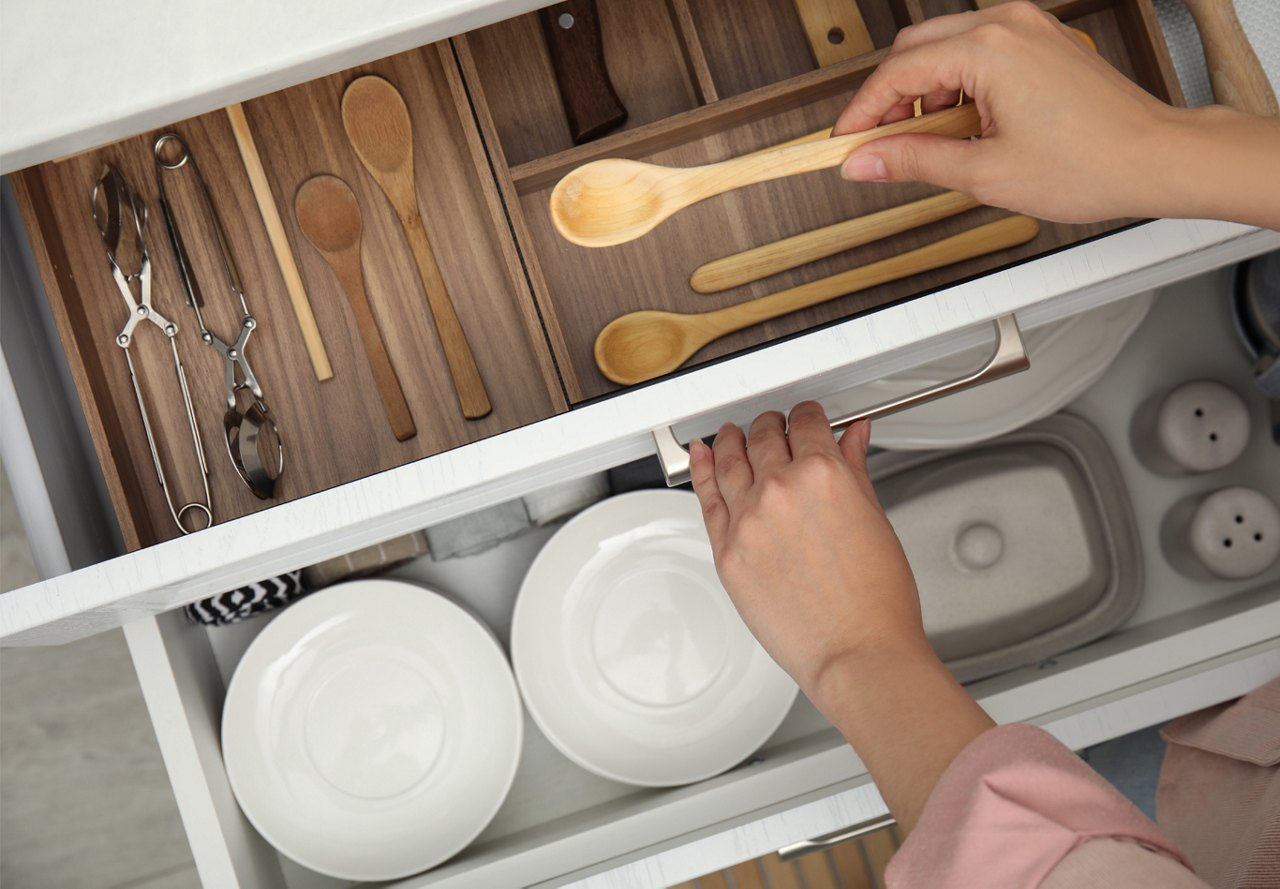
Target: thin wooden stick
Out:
[280,243]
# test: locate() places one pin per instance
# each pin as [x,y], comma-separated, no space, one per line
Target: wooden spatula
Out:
[378,126]
[613,201]
[643,345]
[329,216]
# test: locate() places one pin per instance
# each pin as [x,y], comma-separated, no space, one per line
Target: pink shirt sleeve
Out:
[1012,806]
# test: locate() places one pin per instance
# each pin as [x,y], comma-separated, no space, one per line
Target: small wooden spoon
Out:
[613,201]
[329,216]
[643,345]
[378,127]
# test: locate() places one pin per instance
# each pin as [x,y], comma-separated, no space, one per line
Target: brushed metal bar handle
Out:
[1009,357]
[826,841]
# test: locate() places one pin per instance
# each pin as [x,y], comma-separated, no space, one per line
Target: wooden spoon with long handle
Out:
[819,243]
[1235,73]
[613,201]
[329,216]
[643,345]
[378,127]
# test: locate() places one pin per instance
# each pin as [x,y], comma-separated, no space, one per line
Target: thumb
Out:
[918,157]
[853,447]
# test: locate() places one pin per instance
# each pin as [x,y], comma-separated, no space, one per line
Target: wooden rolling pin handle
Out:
[457,350]
[1234,70]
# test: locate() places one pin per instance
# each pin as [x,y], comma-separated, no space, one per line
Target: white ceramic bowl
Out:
[372,730]
[631,658]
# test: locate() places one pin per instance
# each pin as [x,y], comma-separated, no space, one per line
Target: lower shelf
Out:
[561,822]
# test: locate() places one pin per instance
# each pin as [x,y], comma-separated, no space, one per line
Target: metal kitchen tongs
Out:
[111,199]
[244,428]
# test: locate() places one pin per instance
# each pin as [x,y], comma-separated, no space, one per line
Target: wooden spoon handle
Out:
[713,179]
[788,253]
[351,277]
[1000,235]
[835,30]
[457,350]
[1234,70]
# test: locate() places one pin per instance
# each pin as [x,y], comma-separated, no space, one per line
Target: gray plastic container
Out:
[1023,547]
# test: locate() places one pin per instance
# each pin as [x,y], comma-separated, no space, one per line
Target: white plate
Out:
[372,730]
[631,658]
[1067,357]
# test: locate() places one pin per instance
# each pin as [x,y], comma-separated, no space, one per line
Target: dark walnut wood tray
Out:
[703,80]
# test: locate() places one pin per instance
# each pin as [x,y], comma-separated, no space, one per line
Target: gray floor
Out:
[84,799]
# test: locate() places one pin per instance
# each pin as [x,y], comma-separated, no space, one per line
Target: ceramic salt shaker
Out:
[1232,533]
[1200,426]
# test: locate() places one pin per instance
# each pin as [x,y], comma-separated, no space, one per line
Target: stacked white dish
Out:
[629,653]
[372,730]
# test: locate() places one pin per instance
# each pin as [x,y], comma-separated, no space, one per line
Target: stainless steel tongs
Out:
[111,199]
[250,428]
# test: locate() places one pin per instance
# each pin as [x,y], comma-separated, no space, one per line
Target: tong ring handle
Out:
[159,147]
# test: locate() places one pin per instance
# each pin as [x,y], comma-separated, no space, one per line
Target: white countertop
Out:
[80,73]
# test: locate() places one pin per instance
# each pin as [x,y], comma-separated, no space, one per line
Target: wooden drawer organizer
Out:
[703,80]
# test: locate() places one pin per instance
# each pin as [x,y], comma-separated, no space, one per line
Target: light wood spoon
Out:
[329,216]
[643,345]
[377,124]
[612,201]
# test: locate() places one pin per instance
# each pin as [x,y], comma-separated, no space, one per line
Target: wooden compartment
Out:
[334,431]
[753,43]
[580,290]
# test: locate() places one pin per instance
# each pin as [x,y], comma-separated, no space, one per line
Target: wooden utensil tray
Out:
[703,80]
[744,79]
[334,431]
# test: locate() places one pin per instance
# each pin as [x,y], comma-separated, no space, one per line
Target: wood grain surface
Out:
[835,29]
[337,431]
[703,80]
[583,289]
[644,56]
[572,34]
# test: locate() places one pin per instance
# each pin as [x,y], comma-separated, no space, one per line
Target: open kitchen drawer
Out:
[1191,643]
[559,820]
[490,140]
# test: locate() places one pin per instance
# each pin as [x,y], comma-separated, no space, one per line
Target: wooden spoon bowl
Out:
[329,214]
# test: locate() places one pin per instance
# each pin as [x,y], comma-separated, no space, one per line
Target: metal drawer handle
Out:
[826,841]
[1010,357]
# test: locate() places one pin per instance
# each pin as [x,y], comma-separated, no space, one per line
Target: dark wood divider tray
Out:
[702,80]
[734,50]
[334,431]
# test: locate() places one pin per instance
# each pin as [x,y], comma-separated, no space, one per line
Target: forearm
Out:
[905,716]
[1215,163]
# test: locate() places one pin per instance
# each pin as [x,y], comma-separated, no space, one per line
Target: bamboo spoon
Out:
[770,259]
[612,201]
[643,345]
[330,218]
[377,124]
